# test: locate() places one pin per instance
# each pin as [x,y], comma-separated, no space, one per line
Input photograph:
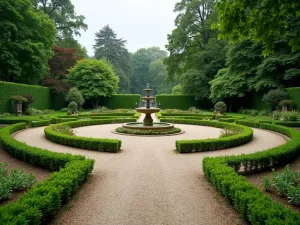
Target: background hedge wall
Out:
[181,102]
[294,94]
[43,97]
[125,101]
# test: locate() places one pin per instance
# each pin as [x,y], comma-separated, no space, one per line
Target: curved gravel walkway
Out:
[147,182]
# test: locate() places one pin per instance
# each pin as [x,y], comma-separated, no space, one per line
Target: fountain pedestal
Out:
[148,123]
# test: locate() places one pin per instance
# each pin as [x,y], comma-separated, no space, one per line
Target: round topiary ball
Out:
[220,107]
[73,107]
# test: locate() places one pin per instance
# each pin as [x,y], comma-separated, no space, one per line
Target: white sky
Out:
[143,23]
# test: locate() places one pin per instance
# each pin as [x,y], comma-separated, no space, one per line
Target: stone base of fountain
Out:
[156,126]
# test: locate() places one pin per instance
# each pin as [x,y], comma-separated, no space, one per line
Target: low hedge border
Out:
[40,123]
[98,144]
[226,120]
[187,146]
[13,121]
[255,206]
[287,123]
[147,132]
[101,115]
[194,114]
[42,201]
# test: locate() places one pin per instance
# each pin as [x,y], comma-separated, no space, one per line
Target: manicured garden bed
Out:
[98,144]
[250,201]
[243,136]
[42,201]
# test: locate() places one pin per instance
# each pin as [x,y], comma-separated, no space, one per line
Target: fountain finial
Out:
[148,86]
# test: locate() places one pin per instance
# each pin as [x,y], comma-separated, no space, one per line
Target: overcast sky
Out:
[143,23]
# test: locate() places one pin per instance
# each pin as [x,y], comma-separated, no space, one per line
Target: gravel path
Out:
[148,182]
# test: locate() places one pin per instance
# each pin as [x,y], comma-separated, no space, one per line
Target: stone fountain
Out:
[148,123]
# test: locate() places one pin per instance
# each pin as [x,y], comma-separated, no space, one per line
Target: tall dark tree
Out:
[195,53]
[26,40]
[59,65]
[63,14]
[113,49]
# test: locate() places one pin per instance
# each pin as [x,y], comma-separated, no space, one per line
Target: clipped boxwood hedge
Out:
[168,101]
[98,144]
[288,123]
[43,97]
[122,101]
[43,200]
[255,206]
[186,146]
[226,120]
[40,123]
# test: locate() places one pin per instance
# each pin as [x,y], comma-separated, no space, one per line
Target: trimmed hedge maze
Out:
[186,146]
[42,201]
[255,206]
[98,144]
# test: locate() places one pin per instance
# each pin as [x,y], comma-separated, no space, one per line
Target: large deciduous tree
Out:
[59,64]
[113,49]
[63,14]
[26,40]
[94,79]
[260,20]
[195,53]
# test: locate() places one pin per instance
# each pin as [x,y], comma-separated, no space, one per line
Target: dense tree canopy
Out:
[94,78]
[108,46]
[63,14]
[195,53]
[26,40]
[59,64]
[260,20]
[143,72]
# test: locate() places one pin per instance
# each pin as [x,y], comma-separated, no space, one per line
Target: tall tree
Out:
[141,61]
[195,53]
[63,14]
[59,65]
[113,49]
[260,20]
[26,40]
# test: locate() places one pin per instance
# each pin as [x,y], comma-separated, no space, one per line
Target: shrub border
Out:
[43,200]
[255,206]
[98,144]
[187,146]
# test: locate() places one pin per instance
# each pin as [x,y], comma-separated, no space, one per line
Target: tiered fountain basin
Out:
[148,126]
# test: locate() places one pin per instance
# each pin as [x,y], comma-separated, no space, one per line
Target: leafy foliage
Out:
[62,12]
[14,180]
[273,97]
[94,78]
[73,108]
[59,64]
[109,47]
[148,69]
[257,19]
[26,39]
[74,95]
[220,107]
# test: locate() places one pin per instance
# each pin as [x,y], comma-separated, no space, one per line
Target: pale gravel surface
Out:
[147,182]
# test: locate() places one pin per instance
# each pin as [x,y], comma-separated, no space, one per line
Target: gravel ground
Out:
[148,182]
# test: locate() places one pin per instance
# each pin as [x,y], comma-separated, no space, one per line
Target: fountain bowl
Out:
[157,126]
[148,110]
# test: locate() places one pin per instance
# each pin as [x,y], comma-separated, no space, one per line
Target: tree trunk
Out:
[95,103]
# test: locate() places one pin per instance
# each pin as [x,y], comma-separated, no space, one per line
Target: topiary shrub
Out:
[287,104]
[72,108]
[273,98]
[74,95]
[220,107]
[18,98]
